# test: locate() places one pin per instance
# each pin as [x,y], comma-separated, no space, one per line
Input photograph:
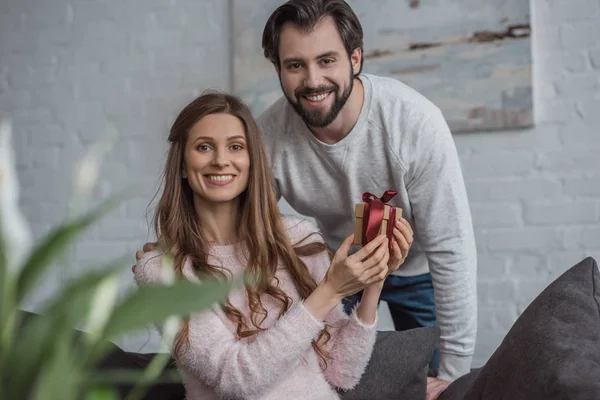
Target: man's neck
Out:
[345,120]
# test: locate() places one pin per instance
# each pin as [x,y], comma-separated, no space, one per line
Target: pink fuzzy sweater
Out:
[278,363]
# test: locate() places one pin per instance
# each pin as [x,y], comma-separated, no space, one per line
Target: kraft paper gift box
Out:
[376,215]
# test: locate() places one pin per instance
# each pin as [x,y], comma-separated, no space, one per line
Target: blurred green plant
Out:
[45,357]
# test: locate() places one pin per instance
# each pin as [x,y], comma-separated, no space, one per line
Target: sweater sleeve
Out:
[148,269]
[351,343]
[443,228]
[238,369]
[350,347]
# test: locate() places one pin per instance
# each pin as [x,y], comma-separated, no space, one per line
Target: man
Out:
[337,133]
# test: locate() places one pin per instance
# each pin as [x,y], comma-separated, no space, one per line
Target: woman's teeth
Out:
[220,177]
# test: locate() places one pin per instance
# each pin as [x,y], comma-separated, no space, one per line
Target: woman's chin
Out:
[218,198]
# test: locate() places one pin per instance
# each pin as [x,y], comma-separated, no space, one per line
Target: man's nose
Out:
[313,78]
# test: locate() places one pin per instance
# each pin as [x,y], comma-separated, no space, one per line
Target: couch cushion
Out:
[553,349]
[398,366]
[117,359]
[459,388]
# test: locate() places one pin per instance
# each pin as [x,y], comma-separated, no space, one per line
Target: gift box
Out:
[374,217]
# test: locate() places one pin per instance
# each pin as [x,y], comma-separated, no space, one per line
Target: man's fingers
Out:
[396,252]
[435,387]
[149,246]
[138,255]
[384,264]
[405,223]
[402,242]
[405,230]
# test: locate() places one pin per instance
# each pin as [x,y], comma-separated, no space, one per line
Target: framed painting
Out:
[472,58]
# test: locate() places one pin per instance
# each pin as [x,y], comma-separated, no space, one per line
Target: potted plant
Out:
[45,357]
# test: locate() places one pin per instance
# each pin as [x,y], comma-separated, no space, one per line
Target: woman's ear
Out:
[183,172]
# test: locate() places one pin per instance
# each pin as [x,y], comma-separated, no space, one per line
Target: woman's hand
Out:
[348,275]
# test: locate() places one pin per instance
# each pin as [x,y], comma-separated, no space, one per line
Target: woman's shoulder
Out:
[301,230]
[148,268]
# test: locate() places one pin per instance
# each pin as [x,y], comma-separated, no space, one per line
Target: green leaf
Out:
[35,352]
[28,357]
[60,377]
[153,304]
[151,373]
[8,321]
[129,376]
[54,246]
[5,283]
[102,393]
[75,298]
[102,303]
[7,306]
[37,335]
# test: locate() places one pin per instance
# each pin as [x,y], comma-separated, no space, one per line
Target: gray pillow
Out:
[553,349]
[459,388]
[398,366]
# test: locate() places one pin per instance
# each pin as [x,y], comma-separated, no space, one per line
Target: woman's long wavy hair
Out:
[260,226]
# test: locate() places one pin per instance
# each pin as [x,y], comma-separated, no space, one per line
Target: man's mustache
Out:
[315,91]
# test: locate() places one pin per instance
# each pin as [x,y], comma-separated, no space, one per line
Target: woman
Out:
[283,335]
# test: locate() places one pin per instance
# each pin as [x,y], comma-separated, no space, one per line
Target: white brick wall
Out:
[67,68]
[535,194]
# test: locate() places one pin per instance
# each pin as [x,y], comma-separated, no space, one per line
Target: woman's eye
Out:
[203,147]
[236,147]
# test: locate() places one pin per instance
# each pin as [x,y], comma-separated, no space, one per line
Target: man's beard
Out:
[319,118]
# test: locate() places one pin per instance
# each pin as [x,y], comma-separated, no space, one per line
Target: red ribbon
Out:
[373,215]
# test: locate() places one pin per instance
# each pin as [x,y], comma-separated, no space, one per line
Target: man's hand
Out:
[435,387]
[403,235]
[140,253]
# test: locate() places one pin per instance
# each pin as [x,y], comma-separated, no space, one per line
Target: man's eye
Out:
[294,66]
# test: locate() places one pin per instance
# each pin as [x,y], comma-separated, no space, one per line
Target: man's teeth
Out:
[220,177]
[318,97]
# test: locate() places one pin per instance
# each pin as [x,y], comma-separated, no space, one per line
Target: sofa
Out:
[551,352]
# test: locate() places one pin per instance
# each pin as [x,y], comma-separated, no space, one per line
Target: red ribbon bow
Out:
[373,215]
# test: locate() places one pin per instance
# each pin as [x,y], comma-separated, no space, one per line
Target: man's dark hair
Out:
[305,14]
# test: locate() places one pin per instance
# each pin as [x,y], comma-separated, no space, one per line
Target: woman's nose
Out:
[220,159]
